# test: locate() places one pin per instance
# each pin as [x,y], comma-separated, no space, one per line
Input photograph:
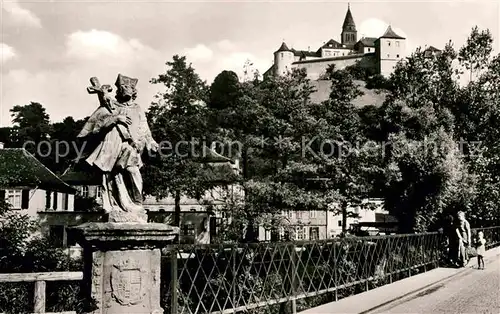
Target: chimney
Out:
[308,48]
[1,145]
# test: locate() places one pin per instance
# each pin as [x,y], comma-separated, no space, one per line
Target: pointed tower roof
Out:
[348,21]
[389,33]
[283,47]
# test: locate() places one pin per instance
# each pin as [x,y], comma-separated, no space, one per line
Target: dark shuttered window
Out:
[25,199]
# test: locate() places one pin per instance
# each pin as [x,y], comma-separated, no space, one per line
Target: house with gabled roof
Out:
[31,188]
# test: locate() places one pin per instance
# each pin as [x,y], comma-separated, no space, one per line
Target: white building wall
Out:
[283,62]
[334,220]
[391,51]
[37,202]
[328,53]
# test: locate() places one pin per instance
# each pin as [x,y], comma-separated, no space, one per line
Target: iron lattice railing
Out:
[289,277]
[280,277]
[491,234]
[269,277]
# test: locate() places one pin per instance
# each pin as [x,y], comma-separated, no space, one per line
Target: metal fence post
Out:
[233,284]
[367,271]
[389,251]
[174,283]
[294,278]
[335,271]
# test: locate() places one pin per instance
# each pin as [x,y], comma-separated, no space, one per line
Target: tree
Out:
[426,176]
[65,146]
[32,122]
[179,122]
[474,55]
[350,164]
[224,90]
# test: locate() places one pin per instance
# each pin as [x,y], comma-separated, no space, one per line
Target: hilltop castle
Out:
[380,54]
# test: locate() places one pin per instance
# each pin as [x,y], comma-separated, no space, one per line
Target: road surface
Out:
[474,291]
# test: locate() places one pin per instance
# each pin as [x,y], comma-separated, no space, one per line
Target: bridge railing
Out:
[274,276]
[283,277]
[40,280]
[290,277]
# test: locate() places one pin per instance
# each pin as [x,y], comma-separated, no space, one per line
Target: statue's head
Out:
[125,88]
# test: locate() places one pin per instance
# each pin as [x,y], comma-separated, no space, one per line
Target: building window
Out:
[314,233]
[369,49]
[286,235]
[267,235]
[56,236]
[282,54]
[388,43]
[300,233]
[55,200]
[99,192]
[64,197]
[387,55]
[14,198]
[299,215]
[290,214]
[48,199]
[188,229]
[397,56]
[84,191]
[397,43]
[340,223]
[312,214]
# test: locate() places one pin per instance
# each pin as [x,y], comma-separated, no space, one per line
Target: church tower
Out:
[349,34]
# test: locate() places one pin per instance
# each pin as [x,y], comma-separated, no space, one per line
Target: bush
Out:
[377,81]
[22,250]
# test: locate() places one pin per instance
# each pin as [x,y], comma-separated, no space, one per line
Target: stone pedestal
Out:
[122,266]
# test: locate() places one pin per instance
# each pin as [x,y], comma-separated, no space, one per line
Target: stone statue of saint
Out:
[122,133]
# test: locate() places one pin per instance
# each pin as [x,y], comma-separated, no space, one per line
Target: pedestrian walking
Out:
[481,249]
[464,239]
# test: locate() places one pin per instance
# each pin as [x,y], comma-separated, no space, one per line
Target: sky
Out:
[50,49]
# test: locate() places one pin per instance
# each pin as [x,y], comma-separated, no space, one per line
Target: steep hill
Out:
[370,97]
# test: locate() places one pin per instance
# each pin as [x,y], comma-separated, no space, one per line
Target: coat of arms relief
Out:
[128,282]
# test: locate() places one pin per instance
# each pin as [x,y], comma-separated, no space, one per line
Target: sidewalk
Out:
[397,291]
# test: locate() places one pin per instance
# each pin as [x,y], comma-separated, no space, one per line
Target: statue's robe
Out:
[116,157]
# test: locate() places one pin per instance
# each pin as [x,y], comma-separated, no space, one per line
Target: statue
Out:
[122,133]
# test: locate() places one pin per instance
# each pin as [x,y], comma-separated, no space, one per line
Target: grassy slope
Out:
[370,97]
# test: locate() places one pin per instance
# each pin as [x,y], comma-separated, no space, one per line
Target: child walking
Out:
[481,249]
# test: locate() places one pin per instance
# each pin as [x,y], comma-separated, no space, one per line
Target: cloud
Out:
[226,45]
[7,52]
[20,14]
[211,59]
[199,53]
[374,27]
[106,46]
[62,90]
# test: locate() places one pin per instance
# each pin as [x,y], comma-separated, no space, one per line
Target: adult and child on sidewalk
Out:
[461,243]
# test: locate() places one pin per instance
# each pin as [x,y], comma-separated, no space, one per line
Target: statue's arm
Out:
[105,123]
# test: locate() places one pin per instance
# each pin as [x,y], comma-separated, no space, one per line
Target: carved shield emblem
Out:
[128,282]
